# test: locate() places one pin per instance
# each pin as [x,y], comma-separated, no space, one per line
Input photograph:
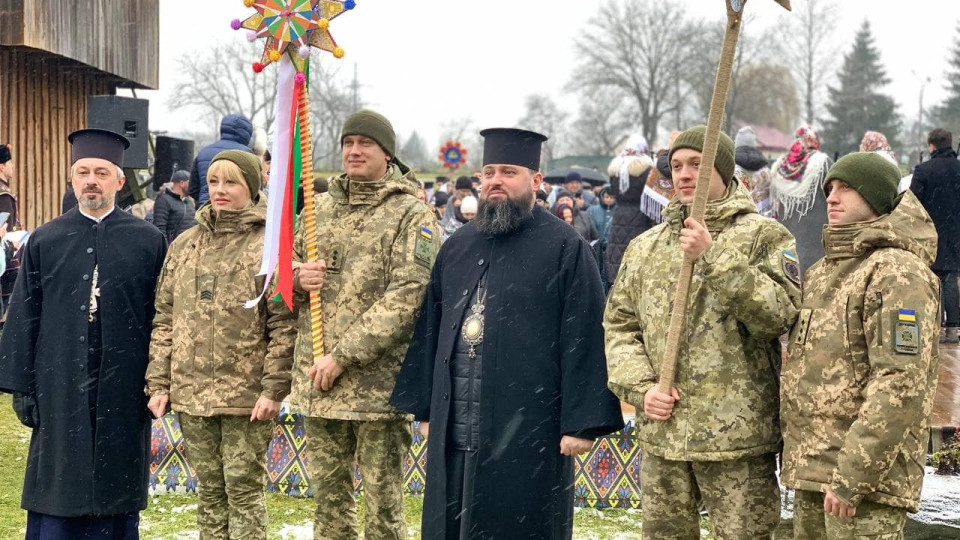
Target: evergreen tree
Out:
[857,105]
[947,115]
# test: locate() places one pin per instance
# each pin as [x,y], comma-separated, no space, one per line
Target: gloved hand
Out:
[25,405]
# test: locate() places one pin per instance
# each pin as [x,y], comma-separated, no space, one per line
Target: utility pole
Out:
[355,90]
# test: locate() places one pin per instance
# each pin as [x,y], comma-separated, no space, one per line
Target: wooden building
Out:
[53,54]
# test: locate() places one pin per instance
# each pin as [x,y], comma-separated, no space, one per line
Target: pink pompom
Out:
[235,24]
[304,51]
[252,35]
[300,78]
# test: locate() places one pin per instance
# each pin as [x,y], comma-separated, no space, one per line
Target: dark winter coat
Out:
[543,376]
[937,184]
[173,214]
[628,221]
[235,133]
[602,215]
[75,466]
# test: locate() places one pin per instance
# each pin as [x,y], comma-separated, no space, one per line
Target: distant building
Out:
[53,54]
[770,141]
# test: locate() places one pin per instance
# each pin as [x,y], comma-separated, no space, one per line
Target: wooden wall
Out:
[119,37]
[42,99]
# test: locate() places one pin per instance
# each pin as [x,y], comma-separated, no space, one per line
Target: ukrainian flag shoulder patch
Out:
[907,315]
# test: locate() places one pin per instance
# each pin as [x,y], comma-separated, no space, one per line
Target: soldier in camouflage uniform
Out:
[377,243]
[861,370]
[224,367]
[716,435]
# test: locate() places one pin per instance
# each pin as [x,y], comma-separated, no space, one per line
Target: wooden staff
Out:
[711,141]
[309,215]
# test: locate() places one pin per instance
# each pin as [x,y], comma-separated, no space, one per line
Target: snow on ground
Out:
[940,501]
[304,531]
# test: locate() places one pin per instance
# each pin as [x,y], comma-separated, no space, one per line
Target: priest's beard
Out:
[504,216]
[97,203]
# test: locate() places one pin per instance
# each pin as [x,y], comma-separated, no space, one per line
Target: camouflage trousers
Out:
[229,455]
[379,448]
[873,520]
[742,497]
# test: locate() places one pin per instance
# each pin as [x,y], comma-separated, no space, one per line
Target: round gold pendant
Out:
[473,329]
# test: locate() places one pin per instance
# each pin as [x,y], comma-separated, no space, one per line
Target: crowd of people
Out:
[510,318]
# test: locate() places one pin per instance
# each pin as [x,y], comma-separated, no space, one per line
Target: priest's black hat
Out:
[511,146]
[98,143]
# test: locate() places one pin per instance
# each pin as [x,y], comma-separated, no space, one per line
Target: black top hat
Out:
[98,143]
[511,146]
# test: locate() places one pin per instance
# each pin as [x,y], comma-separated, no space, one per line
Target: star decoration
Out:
[453,155]
[292,27]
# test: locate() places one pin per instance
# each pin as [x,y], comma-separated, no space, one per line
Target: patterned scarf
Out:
[876,142]
[806,142]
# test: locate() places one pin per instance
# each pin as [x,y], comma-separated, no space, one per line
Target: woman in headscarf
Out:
[629,173]
[798,201]
[752,169]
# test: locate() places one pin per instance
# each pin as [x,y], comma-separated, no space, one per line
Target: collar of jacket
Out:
[719,213]
[907,227]
[398,179]
[231,221]
[945,152]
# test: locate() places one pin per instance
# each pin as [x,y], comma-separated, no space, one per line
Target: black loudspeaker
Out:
[172,155]
[126,116]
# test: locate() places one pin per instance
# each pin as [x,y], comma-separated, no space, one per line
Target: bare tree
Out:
[414,152]
[640,47]
[768,97]
[222,82]
[806,41]
[605,116]
[544,116]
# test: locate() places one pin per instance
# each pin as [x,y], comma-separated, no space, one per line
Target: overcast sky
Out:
[423,62]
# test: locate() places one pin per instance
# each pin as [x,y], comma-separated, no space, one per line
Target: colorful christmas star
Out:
[292,27]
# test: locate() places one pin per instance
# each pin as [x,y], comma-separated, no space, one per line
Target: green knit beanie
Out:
[249,165]
[693,139]
[872,175]
[373,125]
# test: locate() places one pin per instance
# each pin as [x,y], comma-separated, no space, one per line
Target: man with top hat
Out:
[506,366]
[74,354]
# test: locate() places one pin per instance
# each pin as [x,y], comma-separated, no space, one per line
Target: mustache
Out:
[92,189]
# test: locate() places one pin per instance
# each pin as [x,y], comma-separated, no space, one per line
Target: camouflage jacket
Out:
[210,353]
[743,296]
[861,371]
[379,242]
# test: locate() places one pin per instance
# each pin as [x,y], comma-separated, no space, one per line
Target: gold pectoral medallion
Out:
[472,331]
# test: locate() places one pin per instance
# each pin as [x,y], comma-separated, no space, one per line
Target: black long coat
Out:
[629,221]
[543,374]
[936,184]
[76,468]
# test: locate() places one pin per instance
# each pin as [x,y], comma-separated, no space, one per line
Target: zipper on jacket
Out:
[879,319]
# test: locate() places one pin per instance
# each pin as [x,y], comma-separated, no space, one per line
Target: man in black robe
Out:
[74,354]
[506,364]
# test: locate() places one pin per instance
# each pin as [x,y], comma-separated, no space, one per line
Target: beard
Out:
[505,216]
[96,203]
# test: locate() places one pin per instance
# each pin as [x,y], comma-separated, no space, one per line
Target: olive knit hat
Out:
[693,139]
[249,165]
[373,125]
[872,175]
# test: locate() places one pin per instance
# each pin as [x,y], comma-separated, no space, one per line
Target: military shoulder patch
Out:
[424,252]
[906,332]
[791,265]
